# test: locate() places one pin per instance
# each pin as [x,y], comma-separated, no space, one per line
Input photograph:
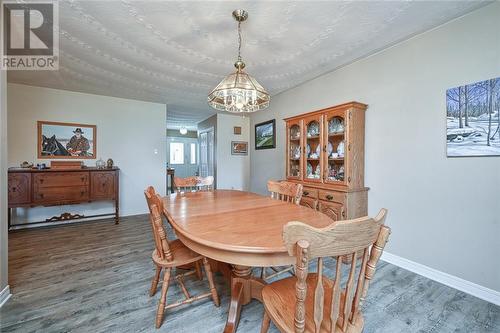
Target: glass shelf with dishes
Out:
[335,149]
[295,151]
[313,149]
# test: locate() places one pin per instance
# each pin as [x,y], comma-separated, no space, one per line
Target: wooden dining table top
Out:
[236,221]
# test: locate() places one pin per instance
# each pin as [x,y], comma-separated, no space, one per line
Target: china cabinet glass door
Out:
[335,144]
[313,149]
[294,165]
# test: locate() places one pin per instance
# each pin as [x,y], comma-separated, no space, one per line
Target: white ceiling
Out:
[176,52]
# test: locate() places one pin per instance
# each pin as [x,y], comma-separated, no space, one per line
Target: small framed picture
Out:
[237,130]
[239,148]
[66,140]
[265,135]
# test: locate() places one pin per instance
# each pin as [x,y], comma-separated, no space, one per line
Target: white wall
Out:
[233,171]
[131,132]
[3,187]
[444,212]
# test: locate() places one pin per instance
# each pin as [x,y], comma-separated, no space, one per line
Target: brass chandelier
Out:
[239,92]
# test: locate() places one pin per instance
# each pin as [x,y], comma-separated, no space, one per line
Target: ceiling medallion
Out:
[239,92]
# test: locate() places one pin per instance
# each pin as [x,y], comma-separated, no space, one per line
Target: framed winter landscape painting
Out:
[473,119]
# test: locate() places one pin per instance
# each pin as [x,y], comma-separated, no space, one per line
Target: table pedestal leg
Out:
[244,287]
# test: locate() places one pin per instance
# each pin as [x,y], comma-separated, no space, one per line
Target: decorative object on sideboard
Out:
[110,163]
[66,165]
[239,92]
[100,164]
[26,165]
[237,130]
[473,119]
[265,135]
[41,166]
[66,140]
[239,148]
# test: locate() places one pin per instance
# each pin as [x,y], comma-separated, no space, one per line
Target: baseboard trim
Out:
[4,295]
[452,281]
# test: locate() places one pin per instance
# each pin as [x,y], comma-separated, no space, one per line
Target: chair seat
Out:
[182,255]
[279,300]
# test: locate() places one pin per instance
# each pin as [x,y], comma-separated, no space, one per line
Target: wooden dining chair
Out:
[323,304]
[188,184]
[288,192]
[205,183]
[171,254]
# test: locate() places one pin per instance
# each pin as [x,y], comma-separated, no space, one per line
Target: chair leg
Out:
[197,267]
[163,297]
[210,277]
[266,320]
[154,283]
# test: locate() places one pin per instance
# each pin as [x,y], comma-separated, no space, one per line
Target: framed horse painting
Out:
[66,140]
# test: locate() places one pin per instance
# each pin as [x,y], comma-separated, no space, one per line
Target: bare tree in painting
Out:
[466,104]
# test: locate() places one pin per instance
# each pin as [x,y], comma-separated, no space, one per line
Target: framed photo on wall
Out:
[265,135]
[239,148]
[66,140]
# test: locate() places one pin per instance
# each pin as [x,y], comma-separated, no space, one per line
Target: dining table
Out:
[238,231]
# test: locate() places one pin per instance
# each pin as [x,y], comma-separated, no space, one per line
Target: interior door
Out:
[207,153]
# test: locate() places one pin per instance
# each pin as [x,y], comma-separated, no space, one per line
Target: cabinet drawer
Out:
[333,210]
[58,179]
[102,185]
[331,196]
[61,194]
[310,192]
[309,202]
[19,189]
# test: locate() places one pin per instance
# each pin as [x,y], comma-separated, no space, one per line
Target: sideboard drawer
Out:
[19,189]
[59,179]
[61,195]
[310,192]
[332,196]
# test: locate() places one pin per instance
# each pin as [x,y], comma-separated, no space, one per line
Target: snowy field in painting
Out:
[471,141]
[473,119]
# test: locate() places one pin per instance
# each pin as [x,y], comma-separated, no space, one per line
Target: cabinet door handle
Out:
[305,193]
[41,195]
[41,180]
[14,189]
[329,197]
[82,193]
[349,179]
[343,213]
[83,179]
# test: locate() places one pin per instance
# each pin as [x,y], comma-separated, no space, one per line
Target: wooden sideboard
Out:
[51,187]
[333,183]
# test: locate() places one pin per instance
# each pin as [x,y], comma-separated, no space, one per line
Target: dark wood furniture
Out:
[169,255]
[55,187]
[171,174]
[313,302]
[326,154]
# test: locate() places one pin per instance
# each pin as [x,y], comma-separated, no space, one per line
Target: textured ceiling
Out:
[176,52]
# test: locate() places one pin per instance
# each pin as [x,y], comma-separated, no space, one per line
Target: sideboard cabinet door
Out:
[102,185]
[19,189]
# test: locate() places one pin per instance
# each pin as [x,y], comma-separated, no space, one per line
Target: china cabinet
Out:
[325,153]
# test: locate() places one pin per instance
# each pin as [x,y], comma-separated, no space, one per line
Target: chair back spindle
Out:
[159,234]
[285,191]
[364,237]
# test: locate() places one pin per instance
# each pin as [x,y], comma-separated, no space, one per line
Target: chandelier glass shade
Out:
[239,92]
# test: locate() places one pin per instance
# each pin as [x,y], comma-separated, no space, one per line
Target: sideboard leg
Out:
[117,212]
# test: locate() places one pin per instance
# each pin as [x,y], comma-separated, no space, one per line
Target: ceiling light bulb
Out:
[183,130]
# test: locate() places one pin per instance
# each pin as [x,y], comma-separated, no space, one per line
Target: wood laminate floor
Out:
[95,277]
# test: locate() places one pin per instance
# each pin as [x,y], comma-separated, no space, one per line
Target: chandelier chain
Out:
[239,41]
